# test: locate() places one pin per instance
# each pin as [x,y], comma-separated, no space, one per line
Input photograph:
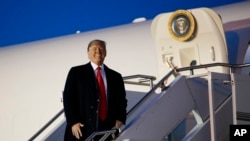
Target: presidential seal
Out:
[181,25]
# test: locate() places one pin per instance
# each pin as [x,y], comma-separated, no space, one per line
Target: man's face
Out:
[97,54]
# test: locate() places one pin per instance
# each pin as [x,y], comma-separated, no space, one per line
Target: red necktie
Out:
[103,101]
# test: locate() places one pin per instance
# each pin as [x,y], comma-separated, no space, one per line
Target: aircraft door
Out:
[184,38]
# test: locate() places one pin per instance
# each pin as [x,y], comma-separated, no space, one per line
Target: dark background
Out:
[30,20]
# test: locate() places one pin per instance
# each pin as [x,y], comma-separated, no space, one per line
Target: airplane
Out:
[33,74]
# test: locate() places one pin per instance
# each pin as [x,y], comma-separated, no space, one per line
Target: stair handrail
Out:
[154,87]
[145,78]
[150,78]
[105,134]
[46,125]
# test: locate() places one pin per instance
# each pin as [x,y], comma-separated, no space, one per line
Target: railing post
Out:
[234,103]
[211,108]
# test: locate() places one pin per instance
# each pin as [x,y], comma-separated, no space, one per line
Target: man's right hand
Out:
[76,130]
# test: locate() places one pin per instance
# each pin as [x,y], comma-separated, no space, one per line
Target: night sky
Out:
[30,20]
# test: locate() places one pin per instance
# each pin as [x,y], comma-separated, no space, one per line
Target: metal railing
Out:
[46,125]
[150,93]
[105,134]
[150,79]
[231,66]
[191,68]
[143,80]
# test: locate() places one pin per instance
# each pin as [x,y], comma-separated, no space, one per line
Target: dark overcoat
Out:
[81,99]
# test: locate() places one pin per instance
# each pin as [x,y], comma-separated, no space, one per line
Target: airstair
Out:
[204,95]
[190,108]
